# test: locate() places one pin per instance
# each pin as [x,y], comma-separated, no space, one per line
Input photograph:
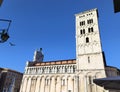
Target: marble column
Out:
[28,85]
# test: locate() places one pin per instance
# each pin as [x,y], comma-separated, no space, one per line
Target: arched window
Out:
[83,31]
[80,31]
[90,79]
[91,29]
[90,84]
[87,40]
[88,59]
[88,30]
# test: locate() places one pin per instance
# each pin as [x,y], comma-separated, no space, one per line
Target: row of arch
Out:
[93,43]
[87,34]
[46,83]
[51,69]
[83,31]
[59,83]
[89,21]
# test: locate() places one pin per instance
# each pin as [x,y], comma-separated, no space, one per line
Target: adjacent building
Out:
[0,72]
[72,75]
[10,80]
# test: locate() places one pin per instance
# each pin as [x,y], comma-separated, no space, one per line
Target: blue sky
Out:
[50,24]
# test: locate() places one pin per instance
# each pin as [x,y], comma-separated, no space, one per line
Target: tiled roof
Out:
[58,62]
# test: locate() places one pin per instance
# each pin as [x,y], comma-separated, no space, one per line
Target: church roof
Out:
[57,62]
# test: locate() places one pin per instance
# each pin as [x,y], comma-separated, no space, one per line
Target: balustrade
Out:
[51,69]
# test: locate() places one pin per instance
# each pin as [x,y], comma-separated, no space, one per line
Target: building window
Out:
[90,30]
[87,40]
[82,23]
[88,59]
[90,84]
[82,31]
[90,79]
[90,21]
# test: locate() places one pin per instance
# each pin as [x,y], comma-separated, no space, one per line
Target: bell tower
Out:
[89,53]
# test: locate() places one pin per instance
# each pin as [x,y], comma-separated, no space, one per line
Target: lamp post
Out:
[1,2]
[4,32]
[116,6]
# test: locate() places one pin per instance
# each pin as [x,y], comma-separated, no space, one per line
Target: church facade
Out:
[73,75]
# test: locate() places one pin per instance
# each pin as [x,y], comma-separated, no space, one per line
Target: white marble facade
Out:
[74,75]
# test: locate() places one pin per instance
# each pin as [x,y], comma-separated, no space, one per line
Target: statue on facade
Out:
[38,56]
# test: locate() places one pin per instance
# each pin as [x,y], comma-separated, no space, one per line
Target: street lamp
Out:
[116,5]
[1,2]
[4,34]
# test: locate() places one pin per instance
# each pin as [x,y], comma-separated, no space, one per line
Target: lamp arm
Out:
[7,21]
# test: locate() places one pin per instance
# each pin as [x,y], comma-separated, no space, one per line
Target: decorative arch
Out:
[58,83]
[87,39]
[52,83]
[47,80]
[98,75]
[57,76]
[24,83]
[89,74]
[24,77]
[33,83]
[38,83]
[47,76]
[33,77]
[42,83]
[70,83]
[89,80]
[42,76]
[38,77]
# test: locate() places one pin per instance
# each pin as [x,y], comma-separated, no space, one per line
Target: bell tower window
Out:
[82,23]
[88,59]
[90,21]
[87,40]
[90,30]
[82,31]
